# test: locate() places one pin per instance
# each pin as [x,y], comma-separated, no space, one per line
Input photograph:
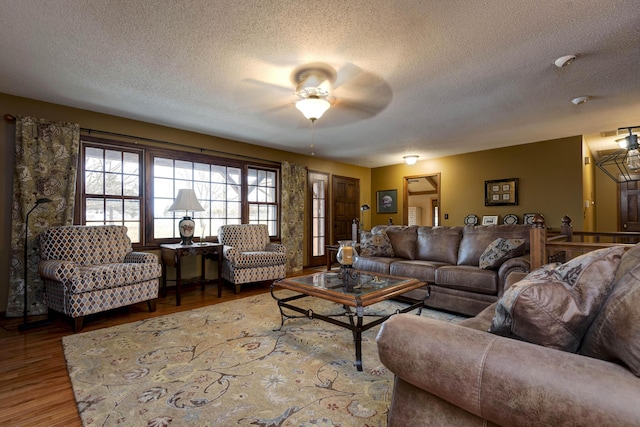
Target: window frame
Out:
[147,154]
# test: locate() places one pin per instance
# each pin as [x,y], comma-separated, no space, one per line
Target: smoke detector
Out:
[580,100]
[563,61]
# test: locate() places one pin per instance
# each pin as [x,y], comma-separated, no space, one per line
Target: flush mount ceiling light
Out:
[411,160]
[623,165]
[563,61]
[580,100]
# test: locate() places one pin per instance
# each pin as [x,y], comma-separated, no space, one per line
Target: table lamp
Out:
[186,201]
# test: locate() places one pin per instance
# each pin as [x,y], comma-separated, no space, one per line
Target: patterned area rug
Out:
[228,365]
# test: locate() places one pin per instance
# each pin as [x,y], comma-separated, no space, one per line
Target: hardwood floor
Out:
[36,390]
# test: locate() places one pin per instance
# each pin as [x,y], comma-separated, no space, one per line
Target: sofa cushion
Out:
[424,271]
[374,264]
[468,278]
[499,251]
[438,244]
[615,333]
[375,244]
[104,276]
[475,240]
[554,307]
[403,239]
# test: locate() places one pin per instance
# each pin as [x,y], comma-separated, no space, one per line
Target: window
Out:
[262,195]
[217,187]
[112,190]
[112,193]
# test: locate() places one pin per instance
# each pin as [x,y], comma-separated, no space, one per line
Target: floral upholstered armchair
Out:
[89,269]
[248,255]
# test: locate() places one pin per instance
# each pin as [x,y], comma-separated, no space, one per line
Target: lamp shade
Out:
[186,201]
[313,107]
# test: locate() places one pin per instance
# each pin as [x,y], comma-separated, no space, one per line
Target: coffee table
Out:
[367,290]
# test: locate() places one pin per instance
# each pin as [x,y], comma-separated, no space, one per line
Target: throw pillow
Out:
[499,251]
[554,307]
[375,244]
[403,239]
[615,333]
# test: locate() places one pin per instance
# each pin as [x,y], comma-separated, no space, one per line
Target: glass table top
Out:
[363,283]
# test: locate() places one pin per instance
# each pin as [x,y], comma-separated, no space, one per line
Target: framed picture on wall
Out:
[501,192]
[387,201]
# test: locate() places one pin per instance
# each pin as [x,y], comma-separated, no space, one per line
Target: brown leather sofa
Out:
[461,375]
[448,259]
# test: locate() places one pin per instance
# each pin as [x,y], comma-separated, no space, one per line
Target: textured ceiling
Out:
[431,78]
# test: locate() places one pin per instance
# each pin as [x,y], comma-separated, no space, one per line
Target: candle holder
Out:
[346,256]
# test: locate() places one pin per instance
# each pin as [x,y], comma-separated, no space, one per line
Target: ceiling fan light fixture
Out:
[313,107]
[411,159]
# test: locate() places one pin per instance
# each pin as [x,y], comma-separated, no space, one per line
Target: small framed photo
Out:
[387,201]
[490,220]
[501,192]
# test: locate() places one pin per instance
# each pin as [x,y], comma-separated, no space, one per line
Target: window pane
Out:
[113,210]
[93,159]
[132,210]
[131,163]
[94,210]
[113,161]
[202,172]
[133,231]
[94,183]
[163,188]
[183,170]
[234,192]
[113,184]
[162,167]
[164,228]
[131,185]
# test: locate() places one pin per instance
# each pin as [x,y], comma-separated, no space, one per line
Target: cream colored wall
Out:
[17,106]
[549,173]
[588,189]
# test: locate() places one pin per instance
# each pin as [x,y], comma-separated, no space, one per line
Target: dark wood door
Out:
[346,201]
[630,206]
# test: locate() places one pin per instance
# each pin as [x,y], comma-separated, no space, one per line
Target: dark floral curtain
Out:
[46,162]
[293,196]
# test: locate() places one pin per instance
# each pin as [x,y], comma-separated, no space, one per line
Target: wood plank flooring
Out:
[35,388]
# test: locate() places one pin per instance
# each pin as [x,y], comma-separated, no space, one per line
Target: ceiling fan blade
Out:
[269,85]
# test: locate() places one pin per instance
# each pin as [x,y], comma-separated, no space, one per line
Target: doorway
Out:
[318,194]
[422,200]
[346,206]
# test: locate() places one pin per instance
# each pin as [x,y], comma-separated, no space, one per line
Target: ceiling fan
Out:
[624,164]
[351,92]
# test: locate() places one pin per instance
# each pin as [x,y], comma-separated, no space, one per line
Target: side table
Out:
[171,255]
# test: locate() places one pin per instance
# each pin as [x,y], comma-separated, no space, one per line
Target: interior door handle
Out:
[624,226]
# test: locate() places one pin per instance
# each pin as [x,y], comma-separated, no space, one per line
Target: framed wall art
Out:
[501,192]
[490,220]
[387,201]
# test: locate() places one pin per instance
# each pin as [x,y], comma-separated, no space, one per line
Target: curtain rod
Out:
[11,118]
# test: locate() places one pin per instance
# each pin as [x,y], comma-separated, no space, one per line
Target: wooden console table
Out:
[171,255]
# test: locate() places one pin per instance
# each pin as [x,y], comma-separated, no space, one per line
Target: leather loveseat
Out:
[448,258]
[462,375]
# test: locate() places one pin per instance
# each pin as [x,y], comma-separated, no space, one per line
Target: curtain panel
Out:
[292,229]
[46,161]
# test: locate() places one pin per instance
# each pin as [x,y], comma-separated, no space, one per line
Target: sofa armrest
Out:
[506,381]
[275,247]
[230,253]
[518,264]
[141,258]
[58,270]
